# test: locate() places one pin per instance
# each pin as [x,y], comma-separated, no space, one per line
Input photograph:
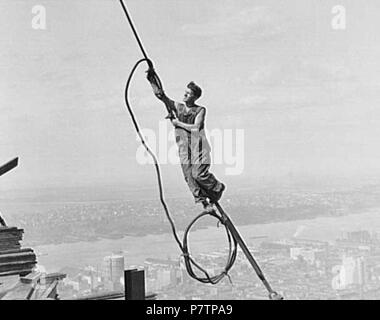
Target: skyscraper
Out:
[113,270]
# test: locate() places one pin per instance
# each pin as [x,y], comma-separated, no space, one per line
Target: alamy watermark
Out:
[227,147]
[39,17]
[338,21]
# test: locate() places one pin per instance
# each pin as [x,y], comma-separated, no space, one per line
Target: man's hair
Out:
[195,88]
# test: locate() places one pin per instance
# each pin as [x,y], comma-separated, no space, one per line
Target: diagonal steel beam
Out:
[8,166]
[273,295]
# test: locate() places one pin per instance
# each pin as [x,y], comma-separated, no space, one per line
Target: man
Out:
[194,149]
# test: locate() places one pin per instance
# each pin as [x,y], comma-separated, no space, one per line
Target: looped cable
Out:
[228,276]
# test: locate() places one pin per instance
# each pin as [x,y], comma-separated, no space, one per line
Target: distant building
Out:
[275,245]
[163,273]
[113,270]
[350,272]
[308,254]
[358,237]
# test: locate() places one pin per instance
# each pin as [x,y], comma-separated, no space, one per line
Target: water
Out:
[137,249]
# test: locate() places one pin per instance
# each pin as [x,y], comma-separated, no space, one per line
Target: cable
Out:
[184,247]
[134,30]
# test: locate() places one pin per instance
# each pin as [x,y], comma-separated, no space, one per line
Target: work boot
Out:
[219,194]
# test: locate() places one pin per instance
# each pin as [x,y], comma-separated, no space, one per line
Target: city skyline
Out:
[346,268]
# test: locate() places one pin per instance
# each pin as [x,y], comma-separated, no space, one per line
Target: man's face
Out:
[189,96]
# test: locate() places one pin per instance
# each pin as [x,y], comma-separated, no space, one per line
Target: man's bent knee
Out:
[200,177]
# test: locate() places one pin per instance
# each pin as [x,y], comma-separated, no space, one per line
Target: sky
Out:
[305,94]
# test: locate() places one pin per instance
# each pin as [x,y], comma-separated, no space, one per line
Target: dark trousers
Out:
[201,182]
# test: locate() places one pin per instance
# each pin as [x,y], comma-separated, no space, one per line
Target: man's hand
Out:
[175,122]
[152,78]
[150,75]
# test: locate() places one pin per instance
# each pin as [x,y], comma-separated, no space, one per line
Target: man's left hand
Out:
[175,122]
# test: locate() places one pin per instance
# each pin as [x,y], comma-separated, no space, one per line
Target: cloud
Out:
[253,100]
[297,71]
[269,75]
[298,82]
[258,22]
[326,70]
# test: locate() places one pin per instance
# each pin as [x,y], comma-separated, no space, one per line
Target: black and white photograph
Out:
[188,150]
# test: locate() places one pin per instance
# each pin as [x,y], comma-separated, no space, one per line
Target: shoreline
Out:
[137,249]
[142,234]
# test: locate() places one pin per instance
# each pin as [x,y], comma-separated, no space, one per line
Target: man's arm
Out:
[198,123]
[160,94]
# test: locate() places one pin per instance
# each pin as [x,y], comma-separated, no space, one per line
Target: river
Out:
[137,249]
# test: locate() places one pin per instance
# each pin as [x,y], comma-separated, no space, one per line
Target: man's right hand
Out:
[151,75]
[154,81]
